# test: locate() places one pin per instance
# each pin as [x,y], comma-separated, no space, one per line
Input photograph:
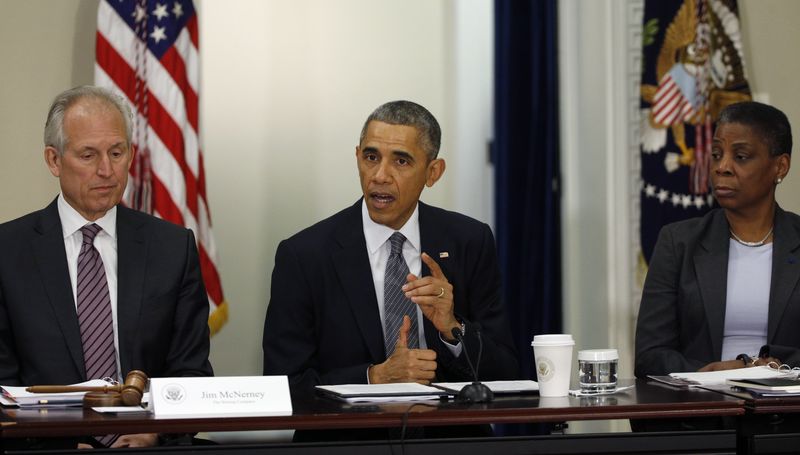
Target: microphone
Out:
[475,392]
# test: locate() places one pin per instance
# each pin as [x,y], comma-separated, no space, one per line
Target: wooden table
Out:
[645,401]
[771,425]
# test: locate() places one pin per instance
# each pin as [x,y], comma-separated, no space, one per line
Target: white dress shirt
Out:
[106,244]
[379,248]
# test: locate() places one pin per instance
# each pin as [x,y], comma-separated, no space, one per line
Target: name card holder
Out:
[221,396]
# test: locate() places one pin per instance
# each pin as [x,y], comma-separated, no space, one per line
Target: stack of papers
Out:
[18,396]
[783,386]
[719,378]
[411,391]
[405,391]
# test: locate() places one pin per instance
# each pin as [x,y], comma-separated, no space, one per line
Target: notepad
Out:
[767,385]
[23,398]
[405,391]
[713,378]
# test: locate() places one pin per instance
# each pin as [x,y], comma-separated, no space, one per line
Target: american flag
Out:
[147,50]
[673,103]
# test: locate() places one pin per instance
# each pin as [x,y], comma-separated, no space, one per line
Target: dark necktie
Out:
[395,303]
[94,310]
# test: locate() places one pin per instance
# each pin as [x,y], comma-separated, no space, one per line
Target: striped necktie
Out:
[94,310]
[395,303]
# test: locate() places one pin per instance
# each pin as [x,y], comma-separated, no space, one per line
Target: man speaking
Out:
[374,293]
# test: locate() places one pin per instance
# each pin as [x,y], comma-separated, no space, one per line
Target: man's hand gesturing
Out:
[405,365]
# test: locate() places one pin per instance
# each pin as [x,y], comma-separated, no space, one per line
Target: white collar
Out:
[72,221]
[377,234]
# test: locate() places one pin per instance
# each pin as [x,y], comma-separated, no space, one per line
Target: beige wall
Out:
[770,35]
[46,47]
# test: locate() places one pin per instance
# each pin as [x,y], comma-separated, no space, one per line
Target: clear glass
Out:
[597,375]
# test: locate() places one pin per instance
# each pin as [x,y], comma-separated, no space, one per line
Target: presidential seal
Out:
[173,393]
[544,369]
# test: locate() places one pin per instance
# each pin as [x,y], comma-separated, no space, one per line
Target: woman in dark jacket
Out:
[722,290]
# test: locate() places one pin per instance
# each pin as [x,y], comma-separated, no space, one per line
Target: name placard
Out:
[230,396]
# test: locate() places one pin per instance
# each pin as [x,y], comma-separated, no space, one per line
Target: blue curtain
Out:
[526,160]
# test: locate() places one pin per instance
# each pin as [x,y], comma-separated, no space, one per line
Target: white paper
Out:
[390,398]
[24,398]
[711,378]
[501,387]
[376,390]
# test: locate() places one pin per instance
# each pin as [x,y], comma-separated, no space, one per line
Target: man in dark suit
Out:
[333,315]
[89,288]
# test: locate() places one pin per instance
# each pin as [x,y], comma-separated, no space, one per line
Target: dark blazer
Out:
[682,314]
[162,306]
[323,324]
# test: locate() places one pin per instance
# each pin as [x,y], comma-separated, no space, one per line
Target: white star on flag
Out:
[676,199]
[663,195]
[158,34]
[177,10]
[650,190]
[699,202]
[686,201]
[161,11]
[140,13]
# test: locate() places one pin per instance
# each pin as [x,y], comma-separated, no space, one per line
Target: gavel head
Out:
[133,388]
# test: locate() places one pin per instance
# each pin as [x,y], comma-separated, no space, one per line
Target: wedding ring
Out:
[441,293]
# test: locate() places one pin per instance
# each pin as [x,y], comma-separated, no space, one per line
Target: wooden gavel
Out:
[129,393]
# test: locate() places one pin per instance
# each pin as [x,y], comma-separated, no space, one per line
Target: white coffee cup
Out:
[553,357]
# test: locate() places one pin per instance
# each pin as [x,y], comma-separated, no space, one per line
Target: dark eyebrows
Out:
[404,155]
[397,154]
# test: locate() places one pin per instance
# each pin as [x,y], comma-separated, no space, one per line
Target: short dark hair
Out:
[765,120]
[408,113]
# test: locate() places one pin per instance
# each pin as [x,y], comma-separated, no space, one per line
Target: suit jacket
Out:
[162,306]
[682,314]
[323,324]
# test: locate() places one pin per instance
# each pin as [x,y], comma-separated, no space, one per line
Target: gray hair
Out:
[54,126]
[408,113]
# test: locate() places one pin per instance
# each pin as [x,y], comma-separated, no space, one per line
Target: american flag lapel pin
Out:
[444,254]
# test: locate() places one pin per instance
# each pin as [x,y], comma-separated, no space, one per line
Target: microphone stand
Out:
[475,392]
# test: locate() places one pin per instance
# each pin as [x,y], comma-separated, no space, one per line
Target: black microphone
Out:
[475,392]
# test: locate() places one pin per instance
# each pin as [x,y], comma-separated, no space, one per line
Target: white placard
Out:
[229,396]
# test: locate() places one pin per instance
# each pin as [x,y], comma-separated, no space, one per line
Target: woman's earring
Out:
[778,180]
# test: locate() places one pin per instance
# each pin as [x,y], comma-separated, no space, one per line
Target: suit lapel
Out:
[51,258]
[709,260]
[785,270]
[131,259]
[351,262]
[433,241]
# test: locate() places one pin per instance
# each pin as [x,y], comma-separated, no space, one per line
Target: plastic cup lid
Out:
[561,339]
[598,354]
